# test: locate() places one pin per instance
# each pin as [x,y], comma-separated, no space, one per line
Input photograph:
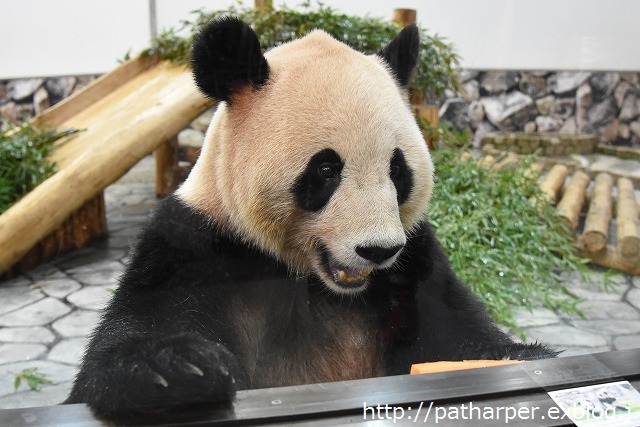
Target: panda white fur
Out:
[297,250]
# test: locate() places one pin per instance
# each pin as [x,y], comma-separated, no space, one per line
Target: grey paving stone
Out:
[20,352]
[88,255]
[15,298]
[612,327]
[636,281]
[77,324]
[54,371]
[46,272]
[16,282]
[591,293]
[37,314]
[106,277]
[32,334]
[596,310]
[68,351]
[535,317]
[565,336]
[104,265]
[48,396]
[58,288]
[626,341]
[92,297]
[634,297]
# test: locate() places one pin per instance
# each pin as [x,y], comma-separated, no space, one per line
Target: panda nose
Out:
[377,254]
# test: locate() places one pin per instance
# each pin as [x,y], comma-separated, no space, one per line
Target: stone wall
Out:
[603,103]
[21,99]
[606,104]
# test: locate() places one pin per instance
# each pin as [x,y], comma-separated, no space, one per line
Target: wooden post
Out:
[573,199]
[627,224]
[596,228]
[553,182]
[266,5]
[404,17]
[166,163]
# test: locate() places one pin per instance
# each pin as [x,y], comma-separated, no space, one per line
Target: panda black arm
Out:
[450,322]
[157,346]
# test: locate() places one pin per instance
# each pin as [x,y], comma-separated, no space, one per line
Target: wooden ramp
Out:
[124,115]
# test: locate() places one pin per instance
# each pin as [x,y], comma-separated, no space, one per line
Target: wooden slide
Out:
[124,115]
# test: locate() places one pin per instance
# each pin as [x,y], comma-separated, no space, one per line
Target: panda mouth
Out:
[345,277]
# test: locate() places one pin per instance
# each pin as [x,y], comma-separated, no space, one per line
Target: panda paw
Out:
[153,376]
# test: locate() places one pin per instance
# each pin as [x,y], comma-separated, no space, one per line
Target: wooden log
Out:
[509,161]
[121,128]
[86,224]
[609,258]
[97,90]
[429,114]
[404,17]
[573,199]
[487,161]
[628,237]
[553,182]
[596,229]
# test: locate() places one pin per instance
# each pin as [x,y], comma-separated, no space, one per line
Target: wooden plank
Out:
[340,402]
[120,128]
[94,92]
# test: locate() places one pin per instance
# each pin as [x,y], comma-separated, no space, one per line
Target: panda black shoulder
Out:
[179,245]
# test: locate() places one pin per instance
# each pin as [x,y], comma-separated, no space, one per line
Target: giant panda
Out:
[297,250]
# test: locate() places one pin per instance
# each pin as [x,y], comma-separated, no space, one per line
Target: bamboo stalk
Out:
[596,229]
[627,224]
[573,199]
[553,182]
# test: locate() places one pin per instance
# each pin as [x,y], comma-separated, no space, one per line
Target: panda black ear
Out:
[226,55]
[402,53]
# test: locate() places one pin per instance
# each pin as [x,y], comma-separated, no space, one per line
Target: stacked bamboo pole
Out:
[603,213]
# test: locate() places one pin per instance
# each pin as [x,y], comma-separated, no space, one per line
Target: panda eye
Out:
[327,171]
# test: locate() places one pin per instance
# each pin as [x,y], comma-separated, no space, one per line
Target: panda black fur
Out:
[297,250]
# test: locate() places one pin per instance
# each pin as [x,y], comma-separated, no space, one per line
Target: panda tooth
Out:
[342,276]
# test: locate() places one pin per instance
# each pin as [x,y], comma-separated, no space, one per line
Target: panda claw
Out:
[159,379]
[193,369]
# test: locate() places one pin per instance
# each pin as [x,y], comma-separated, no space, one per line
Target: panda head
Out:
[313,156]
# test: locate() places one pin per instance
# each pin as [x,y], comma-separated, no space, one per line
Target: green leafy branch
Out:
[502,237]
[33,377]
[24,162]
[437,62]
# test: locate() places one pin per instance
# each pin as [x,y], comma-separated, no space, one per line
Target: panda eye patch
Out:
[401,176]
[320,179]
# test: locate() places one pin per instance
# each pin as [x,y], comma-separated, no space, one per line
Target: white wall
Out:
[67,37]
[64,37]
